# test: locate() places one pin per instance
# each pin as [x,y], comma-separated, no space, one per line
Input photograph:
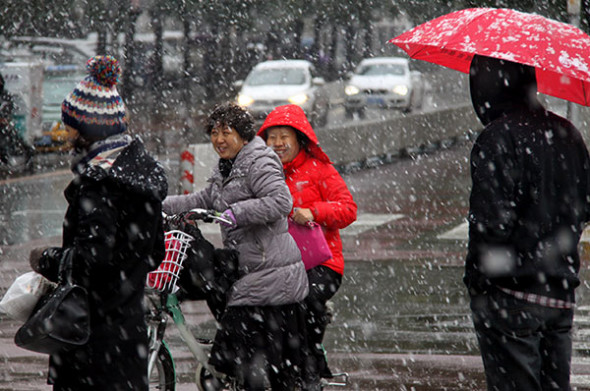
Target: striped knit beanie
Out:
[94,108]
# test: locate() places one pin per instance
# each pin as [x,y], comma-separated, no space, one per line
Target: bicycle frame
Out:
[170,306]
[157,321]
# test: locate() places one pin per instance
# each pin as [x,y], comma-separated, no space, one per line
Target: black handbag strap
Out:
[64,273]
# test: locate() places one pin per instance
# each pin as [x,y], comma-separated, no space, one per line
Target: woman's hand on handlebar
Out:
[227,219]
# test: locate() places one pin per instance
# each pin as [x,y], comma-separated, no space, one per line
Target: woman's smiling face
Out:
[283,140]
[226,141]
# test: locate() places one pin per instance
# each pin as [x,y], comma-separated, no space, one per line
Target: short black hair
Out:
[234,116]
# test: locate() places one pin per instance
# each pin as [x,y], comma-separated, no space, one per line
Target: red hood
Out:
[294,116]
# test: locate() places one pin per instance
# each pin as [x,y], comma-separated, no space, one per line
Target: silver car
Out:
[275,83]
[384,82]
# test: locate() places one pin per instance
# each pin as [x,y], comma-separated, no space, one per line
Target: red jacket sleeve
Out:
[339,209]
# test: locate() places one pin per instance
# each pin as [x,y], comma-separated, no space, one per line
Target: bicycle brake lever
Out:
[221,219]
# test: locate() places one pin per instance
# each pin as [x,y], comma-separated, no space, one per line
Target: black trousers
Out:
[524,346]
[323,284]
[260,345]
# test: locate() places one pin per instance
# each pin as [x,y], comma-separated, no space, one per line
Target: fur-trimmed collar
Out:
[127,164]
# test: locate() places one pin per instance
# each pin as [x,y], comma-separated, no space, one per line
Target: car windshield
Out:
[381,69]
[279,76]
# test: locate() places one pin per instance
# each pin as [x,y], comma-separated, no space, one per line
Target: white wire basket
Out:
[165,277]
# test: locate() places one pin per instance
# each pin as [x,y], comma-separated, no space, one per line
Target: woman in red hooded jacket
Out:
[321,195]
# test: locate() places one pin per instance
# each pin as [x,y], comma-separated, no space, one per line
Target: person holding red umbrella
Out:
[529,203]
[530,198]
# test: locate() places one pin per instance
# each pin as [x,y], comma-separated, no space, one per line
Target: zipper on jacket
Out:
[260,248]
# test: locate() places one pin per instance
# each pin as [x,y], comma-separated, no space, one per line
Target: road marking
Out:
[367,221]
[363,223]
[461,232]
[37,211]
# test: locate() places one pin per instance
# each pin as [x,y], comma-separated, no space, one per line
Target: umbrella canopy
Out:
[558,51]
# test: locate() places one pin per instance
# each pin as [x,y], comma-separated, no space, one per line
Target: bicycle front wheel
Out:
[163,376]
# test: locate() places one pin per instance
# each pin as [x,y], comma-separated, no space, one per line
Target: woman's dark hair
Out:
[302,139]
[233,116]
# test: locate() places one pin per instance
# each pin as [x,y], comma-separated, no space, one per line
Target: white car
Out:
[274,83]
[385,82]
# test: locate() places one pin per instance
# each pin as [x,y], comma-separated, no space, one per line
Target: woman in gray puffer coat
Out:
[263,326]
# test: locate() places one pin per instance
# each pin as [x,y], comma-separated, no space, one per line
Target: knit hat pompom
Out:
[94,108]
[105,69]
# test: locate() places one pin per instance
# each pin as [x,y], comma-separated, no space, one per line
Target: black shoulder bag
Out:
[61,319]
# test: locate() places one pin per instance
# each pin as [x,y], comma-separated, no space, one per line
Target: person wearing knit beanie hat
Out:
[94,108]
[113,227]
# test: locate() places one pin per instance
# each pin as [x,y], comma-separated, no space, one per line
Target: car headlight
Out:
[351,90]
[298,99]
[401,90]
[245,100]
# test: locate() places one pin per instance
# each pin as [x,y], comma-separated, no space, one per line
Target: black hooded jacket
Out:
[530,188]
[114,224]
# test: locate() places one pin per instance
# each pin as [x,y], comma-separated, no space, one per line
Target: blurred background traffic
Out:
[181,57]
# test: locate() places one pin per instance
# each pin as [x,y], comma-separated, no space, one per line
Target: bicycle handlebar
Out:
[206,215]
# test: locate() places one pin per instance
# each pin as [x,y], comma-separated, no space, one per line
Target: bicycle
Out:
[163,303]
[161,295]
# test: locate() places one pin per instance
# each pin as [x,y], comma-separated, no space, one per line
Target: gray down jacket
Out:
[271,270]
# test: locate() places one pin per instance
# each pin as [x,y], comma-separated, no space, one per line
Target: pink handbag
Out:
[311,242]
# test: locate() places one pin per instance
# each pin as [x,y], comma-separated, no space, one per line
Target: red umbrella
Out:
[559,51]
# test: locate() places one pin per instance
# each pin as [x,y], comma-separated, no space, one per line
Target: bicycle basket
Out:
[165,277]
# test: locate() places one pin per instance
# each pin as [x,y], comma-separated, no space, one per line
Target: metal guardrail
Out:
[359,141]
